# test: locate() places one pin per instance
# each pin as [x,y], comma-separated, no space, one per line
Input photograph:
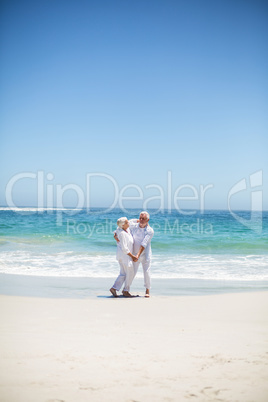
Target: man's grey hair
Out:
[121,222]
[145,213]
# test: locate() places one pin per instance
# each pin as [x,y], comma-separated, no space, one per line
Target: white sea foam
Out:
[36,209]
[71,264]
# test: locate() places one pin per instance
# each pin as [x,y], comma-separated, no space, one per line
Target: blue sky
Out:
[134,89]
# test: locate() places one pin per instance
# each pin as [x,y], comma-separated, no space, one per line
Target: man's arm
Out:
[139,252]
[146,240]
[133,223]
[148,237]
[116,233]
[116,237]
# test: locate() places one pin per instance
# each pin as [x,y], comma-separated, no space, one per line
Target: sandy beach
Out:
[199,348]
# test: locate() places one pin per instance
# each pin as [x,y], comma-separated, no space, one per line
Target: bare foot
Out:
[113,291]
[126,294]
[147,293]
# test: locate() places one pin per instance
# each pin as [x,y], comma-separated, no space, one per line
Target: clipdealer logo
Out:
[254,184]
[50,195]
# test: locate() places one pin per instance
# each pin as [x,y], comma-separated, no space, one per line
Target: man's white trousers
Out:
[146,265]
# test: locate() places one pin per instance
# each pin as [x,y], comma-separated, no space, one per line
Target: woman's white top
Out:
[125,246]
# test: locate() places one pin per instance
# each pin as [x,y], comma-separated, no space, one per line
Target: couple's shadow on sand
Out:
[119,297]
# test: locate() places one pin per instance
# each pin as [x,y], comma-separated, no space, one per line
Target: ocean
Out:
[213,245]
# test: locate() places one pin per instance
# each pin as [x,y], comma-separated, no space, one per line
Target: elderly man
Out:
[142,235]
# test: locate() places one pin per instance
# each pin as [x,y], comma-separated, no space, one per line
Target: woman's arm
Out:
[124,247]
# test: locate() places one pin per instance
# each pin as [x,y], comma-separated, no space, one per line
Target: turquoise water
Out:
[212,245]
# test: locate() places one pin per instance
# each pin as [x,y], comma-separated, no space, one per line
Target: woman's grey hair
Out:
[121,222]
[145,213]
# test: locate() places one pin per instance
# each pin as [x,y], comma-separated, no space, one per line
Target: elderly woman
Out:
[125,258]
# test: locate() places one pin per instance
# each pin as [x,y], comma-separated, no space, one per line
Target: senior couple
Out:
[133,247]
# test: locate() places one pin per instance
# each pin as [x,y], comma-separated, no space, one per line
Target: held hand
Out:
[116,238]
[134,259]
